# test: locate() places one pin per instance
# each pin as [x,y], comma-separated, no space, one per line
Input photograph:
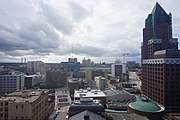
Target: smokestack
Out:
[24,60]
[21,60]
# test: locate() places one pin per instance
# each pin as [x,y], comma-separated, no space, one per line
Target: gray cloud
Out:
[47,29]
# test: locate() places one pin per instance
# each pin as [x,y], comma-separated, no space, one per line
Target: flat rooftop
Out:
[88,93]
[23,96]
[126,116]
[112,91]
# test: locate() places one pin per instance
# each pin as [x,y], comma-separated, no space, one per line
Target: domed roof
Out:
[145,105]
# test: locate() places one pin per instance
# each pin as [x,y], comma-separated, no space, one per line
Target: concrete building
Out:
[124,116]
[86,63]
[87,115]
[97,73]
[36,66]
[31,80]
[72,59]
[88,104]
[56,78]
[114,95]
[26,105]
[79,83]
[160,60]
[79,74]
[117,99]
[71,66]
[11,81]
[100,82]
[132,64]
[174,116]
[117,69]
[90,93]
[145,107]
[72,85]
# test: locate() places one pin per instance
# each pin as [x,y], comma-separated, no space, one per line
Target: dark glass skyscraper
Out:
[160,60]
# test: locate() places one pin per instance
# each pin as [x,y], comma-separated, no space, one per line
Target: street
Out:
[133,78]
[62,103]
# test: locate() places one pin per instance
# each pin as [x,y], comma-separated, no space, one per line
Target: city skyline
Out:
[52,31]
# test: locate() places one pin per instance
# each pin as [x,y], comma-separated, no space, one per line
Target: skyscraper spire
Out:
[158,10]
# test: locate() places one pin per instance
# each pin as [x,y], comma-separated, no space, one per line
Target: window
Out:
[16,106]
[6,103]
[22,106]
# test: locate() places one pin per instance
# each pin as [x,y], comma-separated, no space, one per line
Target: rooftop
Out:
[112,91]
[88,93]
[23,96]
[126,116]
[146,105]
[91,115]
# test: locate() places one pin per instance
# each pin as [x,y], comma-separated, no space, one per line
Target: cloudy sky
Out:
[54,30]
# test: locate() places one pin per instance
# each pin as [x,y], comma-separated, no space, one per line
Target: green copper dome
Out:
[145,105]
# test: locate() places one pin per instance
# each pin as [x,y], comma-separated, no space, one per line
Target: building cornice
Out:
[162,61]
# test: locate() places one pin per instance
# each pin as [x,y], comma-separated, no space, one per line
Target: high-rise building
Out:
[100,82]
[160,60]
[36,66]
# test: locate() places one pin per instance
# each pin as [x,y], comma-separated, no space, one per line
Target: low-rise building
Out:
[26,105]
[96,94]
[86,104]
[144,106]
[114,95]
[87,115]
[79,83]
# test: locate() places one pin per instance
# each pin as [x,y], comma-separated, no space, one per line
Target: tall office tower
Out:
[160,60]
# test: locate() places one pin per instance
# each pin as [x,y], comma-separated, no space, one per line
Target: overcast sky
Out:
[54,30]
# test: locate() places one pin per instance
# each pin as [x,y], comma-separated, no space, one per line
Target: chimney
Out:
[86,117]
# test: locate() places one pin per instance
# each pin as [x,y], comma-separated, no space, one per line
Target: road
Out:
[62,103]
[133,78]
[62,113]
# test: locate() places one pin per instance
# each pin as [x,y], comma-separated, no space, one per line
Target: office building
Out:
[117,69]
[36,66]
[161,60]
[79,83]
[100,82]
[31,80]
[26,105]
[11,81]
